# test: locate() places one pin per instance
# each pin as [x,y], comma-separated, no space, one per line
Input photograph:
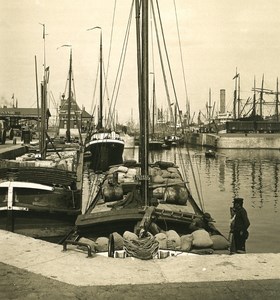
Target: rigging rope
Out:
[121,63]
[161,61]
[177,105]
[107,71]
[182,62]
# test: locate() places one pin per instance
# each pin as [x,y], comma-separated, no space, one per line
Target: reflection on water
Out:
[250,174]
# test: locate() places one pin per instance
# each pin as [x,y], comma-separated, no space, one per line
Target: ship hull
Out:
[37,210]
[105,153]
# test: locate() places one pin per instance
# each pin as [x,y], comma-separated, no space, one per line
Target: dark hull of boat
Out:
[102,223]
[46,225]
[39,211]
[105,154]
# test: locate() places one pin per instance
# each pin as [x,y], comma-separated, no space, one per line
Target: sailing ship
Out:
[141,207]
[41,191]
[105,145]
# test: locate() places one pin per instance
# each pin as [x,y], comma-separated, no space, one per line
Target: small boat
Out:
[172,140]
[106,149]
[41,198]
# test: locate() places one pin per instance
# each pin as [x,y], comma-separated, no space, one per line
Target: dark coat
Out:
[241,222]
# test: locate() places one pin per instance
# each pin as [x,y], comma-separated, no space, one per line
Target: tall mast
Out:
[44,100]
[145,95]
[37,97]
[261,97]
[101,87]
[238,98]
[153,116]
[68,134]
[209,108]
[139,67]
[100,114]
[235,94]
[254,99]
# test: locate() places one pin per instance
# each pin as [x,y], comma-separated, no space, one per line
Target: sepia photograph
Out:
[139,149]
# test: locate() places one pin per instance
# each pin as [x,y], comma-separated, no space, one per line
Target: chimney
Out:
[222,101]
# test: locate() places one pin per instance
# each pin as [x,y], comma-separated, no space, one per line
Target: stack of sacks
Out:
[176,194]
[126,174]
[172,241]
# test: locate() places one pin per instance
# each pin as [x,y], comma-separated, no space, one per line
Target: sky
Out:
[216,37]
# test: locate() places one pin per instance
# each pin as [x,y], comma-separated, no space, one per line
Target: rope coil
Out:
[142,248]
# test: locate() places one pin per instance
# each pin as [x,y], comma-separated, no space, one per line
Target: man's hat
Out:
[208,217]
[238,200]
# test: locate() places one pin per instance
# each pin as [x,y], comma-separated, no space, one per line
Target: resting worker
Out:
[239,227]
[205,222]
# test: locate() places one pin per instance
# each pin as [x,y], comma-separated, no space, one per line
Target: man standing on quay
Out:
[239,227]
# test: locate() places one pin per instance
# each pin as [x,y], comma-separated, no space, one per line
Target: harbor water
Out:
[251,174]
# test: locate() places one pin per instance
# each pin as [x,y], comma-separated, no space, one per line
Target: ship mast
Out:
[100,121]
[44,101]
[144,104]
[68,134]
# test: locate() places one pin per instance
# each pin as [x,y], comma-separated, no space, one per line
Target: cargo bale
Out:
[201,239]
[162,240]
[102,244]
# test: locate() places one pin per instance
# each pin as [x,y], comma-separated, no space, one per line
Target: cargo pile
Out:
[197,242]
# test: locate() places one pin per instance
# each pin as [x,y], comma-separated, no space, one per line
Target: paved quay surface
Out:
[35,269]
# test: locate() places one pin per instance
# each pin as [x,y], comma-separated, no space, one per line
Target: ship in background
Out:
[250,125]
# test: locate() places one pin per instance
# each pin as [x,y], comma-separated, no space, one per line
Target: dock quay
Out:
[201,139]
[11,151]
[269,141]
[35,269]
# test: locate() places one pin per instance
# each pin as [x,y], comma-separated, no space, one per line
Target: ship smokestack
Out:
[222,101]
